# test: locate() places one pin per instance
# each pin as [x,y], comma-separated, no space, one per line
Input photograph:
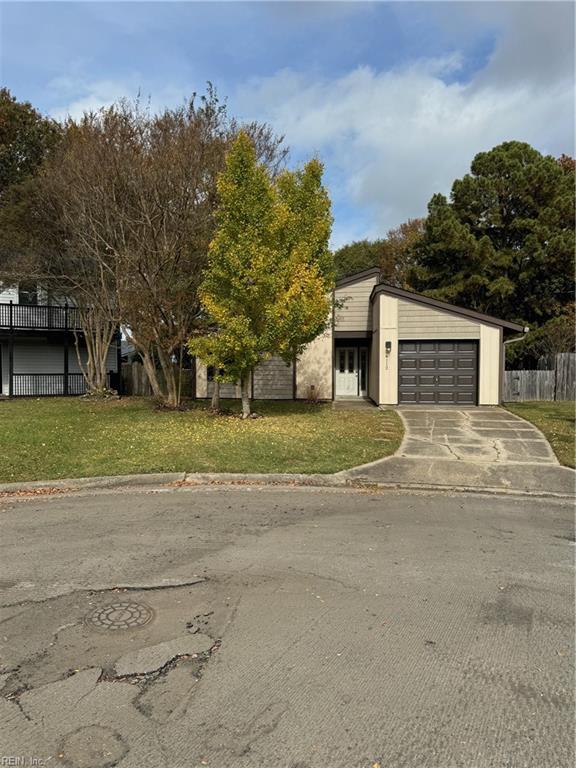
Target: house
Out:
[390,346]
[38,354]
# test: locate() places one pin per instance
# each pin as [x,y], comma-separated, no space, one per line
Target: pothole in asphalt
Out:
[119,616]
[93,747]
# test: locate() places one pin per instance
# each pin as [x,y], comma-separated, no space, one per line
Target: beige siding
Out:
[417,321]
[314,368]
[374,359]
[355,312]
[388,331]
[273,380]
[489,366]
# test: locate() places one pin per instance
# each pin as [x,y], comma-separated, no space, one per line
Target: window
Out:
[28,294]
[350,361]
[342,361]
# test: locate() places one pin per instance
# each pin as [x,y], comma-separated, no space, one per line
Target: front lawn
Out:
[63,437]
[556,421]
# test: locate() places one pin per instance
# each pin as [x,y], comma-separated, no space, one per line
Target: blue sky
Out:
[396,98]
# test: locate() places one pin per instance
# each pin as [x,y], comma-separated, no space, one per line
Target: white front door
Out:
[346,371]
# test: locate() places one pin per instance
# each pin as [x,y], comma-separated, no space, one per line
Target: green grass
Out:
[62,437]
[556,421]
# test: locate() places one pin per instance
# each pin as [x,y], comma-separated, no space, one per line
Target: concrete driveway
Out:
[487,435]
[299,628]
[481,448]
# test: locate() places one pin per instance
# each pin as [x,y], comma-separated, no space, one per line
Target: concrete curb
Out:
[196,479]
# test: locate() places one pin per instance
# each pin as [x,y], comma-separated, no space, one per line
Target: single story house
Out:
[38,354]
[390,346]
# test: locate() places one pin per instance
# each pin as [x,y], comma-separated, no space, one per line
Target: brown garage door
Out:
[442,372]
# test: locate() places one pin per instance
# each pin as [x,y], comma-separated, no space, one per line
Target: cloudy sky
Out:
[395,98]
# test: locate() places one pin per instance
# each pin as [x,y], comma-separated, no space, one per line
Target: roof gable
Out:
[443,306]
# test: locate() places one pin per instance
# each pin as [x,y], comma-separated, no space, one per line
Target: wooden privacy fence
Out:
[556,384]
[135,381]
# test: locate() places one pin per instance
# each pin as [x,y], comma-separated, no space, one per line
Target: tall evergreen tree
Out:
[504,244]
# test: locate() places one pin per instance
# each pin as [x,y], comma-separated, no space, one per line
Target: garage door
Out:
[443,372]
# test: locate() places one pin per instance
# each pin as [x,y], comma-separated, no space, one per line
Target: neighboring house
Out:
[390,346]
[37,345]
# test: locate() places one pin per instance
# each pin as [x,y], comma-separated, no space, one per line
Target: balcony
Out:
[38,317]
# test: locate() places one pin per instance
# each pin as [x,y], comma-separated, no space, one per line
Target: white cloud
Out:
[74,96]
[391,139]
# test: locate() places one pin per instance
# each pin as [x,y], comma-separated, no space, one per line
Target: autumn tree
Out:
[27,138]
[133,194]
[394,254]
[267,284]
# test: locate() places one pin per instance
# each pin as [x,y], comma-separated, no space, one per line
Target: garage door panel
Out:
[444,372]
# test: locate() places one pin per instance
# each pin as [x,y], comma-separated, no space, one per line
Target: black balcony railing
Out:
[40,317]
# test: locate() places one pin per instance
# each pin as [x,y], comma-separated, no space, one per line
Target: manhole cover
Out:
[119,616]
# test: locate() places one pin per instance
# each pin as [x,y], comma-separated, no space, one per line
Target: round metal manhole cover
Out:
[119,616]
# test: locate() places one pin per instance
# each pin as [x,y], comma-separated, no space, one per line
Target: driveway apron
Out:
[483,448]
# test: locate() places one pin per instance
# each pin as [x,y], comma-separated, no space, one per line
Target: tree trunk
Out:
[215,405]
[97,338]
[171,397]
[245,388]
[150,368]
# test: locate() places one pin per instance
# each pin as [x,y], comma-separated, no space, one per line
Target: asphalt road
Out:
[298,628]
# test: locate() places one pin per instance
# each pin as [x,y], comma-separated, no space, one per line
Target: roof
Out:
[443,306]
[359,276]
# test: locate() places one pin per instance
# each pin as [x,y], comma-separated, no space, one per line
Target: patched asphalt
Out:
[300,628]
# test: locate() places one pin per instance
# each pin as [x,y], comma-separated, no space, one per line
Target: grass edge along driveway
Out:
[556,420]
[53,438]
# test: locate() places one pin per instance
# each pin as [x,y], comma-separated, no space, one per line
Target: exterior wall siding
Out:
[355,313]
[8,293]
[273,380]
[489,366]
[416,321]
[314,368]
[228,390]
[374,358]
[74,365]
[402,320]
[388,363]
[43,356]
